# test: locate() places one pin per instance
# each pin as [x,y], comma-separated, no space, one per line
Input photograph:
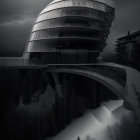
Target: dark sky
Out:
[18,16]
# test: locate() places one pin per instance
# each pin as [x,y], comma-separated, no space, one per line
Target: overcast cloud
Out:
[17,18]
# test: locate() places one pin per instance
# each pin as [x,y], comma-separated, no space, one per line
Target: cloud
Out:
[13,38]
[16,20]
[18,9]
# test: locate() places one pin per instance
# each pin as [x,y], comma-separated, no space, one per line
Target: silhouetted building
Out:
[78,138]
[71,31]
[128,50]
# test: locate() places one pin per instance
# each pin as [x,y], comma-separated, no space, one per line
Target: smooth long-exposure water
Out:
[111,121]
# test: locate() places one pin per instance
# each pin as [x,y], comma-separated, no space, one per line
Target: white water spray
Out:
[95,124]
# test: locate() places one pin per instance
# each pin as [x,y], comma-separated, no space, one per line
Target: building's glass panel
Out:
[69,22]
[108,2]
[72,12]
[68,44]
[67,33]
[66,27]
[89,4]
[72,25]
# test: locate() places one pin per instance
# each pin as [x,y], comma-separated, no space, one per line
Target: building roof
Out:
[110,3]
[134,34]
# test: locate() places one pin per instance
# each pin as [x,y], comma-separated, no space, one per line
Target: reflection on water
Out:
[104,123]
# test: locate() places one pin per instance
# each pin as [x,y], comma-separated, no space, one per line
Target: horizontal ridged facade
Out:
[72,25]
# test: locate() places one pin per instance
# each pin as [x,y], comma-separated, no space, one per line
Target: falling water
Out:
[103,123]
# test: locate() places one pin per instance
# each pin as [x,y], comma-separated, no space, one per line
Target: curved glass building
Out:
[71,31]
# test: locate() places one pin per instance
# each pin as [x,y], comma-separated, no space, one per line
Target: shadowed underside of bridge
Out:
[113,76]
[68,90]
[121,80]
[114,81]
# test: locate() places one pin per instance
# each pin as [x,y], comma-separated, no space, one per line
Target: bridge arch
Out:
[127,88]
[116,88]
[109,83]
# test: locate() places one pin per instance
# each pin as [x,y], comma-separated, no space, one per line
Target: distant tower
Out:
[78,138]
[70,31]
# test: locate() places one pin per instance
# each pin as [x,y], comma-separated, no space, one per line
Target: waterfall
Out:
[108,122]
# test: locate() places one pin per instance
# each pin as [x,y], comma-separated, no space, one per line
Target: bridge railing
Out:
[117,74]
[15,62]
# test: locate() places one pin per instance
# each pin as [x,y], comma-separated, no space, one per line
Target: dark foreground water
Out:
[109,122]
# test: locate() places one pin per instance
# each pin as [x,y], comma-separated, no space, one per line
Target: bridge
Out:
[123,81]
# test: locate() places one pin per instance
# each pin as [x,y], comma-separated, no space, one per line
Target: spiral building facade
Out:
[71,31]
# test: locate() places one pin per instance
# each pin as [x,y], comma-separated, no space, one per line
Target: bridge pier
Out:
[98,94]
[26,86]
